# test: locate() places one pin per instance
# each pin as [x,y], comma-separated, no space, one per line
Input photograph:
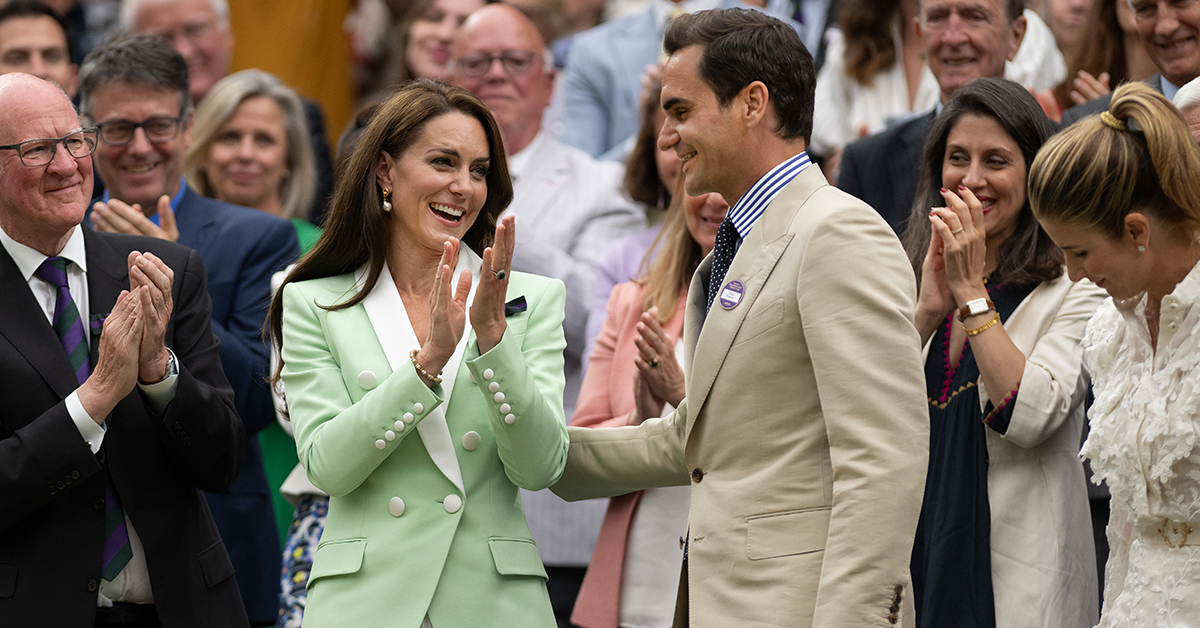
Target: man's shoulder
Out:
[892,138]
[601,35]
[242,223]
[123,244]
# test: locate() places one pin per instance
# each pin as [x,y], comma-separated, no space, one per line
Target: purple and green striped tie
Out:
[72,333]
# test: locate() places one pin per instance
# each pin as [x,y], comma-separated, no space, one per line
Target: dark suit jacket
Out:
[1095,106]
[882,169]
[241,249]
[52,486]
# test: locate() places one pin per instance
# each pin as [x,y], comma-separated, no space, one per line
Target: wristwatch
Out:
[975,307]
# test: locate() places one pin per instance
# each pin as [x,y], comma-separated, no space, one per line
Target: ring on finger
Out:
[957,231]
[500,274]
[653,364]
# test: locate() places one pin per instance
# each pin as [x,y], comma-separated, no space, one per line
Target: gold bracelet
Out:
[437,379]
[982,328]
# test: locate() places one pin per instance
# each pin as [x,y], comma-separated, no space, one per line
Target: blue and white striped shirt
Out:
[754,202]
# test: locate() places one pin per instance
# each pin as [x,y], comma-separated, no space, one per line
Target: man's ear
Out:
[756,100]
[1018,27]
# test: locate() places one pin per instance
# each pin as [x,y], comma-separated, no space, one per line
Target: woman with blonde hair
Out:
[250,146]
[1120,193]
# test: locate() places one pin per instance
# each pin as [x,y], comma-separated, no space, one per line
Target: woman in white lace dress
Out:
[1120,192]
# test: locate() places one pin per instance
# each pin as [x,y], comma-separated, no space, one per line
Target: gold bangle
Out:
[984,327]
[437,379]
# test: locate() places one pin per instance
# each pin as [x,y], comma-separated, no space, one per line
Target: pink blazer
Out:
[606,400]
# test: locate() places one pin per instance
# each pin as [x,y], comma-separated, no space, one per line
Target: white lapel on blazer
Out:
[388,317]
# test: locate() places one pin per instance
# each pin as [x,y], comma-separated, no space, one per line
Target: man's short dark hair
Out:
[33,8]
[141,60]
[741,46]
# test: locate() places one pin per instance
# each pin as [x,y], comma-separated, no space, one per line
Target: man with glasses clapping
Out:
[135,91]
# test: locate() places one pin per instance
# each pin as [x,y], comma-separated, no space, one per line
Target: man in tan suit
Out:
[804,434]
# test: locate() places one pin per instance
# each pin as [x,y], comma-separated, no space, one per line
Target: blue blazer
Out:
[241,248]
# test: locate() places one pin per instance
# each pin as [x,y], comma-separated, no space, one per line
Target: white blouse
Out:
[1144,443]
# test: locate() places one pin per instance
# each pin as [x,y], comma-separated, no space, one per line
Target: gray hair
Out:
[1188,96]
[129,10]
[297,191]
[134,60]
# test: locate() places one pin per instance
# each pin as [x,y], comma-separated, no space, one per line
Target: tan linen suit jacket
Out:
[805,429]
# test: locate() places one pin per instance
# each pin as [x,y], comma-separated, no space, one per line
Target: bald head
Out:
[500,56]
[40,205]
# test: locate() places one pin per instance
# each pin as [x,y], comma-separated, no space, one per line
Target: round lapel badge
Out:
[732,293]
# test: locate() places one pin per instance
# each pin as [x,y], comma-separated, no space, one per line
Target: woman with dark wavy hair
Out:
[421,434]
[1004,537]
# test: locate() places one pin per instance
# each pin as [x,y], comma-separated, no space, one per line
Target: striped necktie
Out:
[71,333]
[723,251]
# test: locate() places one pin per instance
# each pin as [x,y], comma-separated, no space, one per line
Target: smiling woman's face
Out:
[982,156]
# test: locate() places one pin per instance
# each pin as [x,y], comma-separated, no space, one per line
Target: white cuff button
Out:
[367,380]
[488,373]
[380,444]
[452,503]
[399,425]
[390,435]
[510,419]
[505,408]
[498,397]
[396,506]
[470,441]
[418,408]
[494,386]
[408,417]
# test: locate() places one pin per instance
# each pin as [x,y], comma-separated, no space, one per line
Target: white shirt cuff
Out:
[160,394]
[92,432]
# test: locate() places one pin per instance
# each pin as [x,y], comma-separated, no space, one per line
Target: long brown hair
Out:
[1092,174]
[867,28]
[678,255]
[358,230]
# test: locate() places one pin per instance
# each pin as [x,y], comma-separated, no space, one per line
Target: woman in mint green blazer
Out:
[422,433]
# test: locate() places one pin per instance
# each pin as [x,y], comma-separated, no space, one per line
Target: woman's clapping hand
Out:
[487,310]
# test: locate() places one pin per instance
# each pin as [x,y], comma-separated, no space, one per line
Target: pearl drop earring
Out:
[387,204]
[1141,249]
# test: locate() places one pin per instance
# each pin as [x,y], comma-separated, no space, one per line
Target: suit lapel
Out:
[196,228]
[539,185]
[23,324]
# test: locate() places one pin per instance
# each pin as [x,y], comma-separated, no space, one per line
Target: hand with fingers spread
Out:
[487,310]
[154,277]
[656,362]
[447,311]
[1088,87]
[118,217]
[952,272]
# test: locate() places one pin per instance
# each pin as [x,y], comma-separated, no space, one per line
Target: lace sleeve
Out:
[1120,535]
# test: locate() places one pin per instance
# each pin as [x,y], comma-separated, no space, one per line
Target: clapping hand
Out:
[953,268]
[118,217]
[116,369]
[646,404]
[447,311]
[154,278]
[487,310]
[656,362]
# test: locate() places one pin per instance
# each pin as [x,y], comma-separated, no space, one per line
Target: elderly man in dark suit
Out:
[963,39]
[107,437]
[136,91]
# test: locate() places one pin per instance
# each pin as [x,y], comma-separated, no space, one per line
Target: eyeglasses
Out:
[117,132]
[516,63]
[40,152]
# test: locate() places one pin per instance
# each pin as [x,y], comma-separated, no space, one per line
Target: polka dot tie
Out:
[723,252]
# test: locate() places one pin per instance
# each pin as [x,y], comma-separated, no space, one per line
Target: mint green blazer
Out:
[424,519]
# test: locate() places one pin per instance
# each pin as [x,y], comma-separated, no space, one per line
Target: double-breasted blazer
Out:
[424,513]
[804,434]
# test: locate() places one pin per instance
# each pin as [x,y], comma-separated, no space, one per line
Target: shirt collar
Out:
[28,259]
[154,218]
[750,207]
[1169,89]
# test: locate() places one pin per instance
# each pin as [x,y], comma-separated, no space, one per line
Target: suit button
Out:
[75,475]
[68,480]
[494,386]
[498,397]
[418,408]
[60,485]
[408,417]
[53,490]
[505,408]
[390,435]
[697,474]
[380,444]
[399,425]
[452,503]
[396,506]
[510,419]
[98,504]
[93,585]
[470,440]
[367,380]
[488,373]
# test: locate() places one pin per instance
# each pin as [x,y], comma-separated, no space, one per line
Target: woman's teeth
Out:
[446,209]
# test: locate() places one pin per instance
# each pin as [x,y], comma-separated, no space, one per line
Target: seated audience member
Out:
[1187,101]
[635,374]
[883,169]
[107,439]
[601,80]
[249,147]
[199,30]
[650,175]
[569,208]
[1110,54]
[1168,32]
[421,43]
[33,40]
[1004,537]
[135,90]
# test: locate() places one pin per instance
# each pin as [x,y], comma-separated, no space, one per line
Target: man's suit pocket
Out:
[337,558]
[516,557]
[215,563]
[787,533]
[760,322]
